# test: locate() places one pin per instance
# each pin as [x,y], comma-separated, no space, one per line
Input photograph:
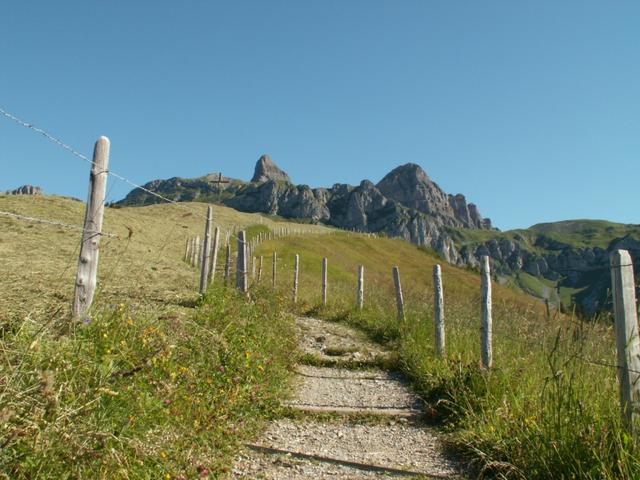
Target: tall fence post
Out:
[399,297]
[253,268]
[486,327]
[360,302]
[260,268]
[324,280]
[438,305]
[214,254]
[86,276]
[627,342]
[206,251]
[274,269]
[241,265]
[296,269]
[227,264]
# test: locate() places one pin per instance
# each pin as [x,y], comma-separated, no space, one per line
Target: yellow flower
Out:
[163,455]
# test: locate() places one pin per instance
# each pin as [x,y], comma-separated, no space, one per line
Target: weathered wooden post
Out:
[197,252]
[627,342]
[360,302]
[274,269]
[194,252]
[187,250]
[253,268]
[438,305]
[296,266]
[260,269]
[214,254]
[227,264]
[206,252]
[86,276]
[241,266]
[486,327]
[324,280]
[399,297]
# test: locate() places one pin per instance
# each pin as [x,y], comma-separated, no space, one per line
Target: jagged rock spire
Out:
[267,170]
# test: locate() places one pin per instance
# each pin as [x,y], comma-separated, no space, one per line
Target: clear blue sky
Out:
[529,108]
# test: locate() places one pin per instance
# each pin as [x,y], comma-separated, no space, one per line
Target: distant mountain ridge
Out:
[406,203]
[565,262]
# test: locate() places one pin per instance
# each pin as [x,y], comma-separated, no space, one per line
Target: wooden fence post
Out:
[324,280]
[86,276]
[196,253]
[214,254]
[274,269]
[192,259]
[296,267]
[627,342]
[399,297]
[360,302]
[486,327]
[206,251]
[187,250]
[227,264]
[438,305]
[253,268]
[260,269]
[241,265]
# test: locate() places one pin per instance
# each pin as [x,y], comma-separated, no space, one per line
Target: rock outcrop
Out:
[26,190]
[267,170]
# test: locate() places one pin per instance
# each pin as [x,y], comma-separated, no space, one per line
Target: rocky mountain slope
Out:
[565,262]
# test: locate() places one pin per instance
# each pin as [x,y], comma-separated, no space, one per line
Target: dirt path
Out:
[346,423]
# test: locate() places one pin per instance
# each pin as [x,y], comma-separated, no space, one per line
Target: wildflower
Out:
[202,470]
[104,335]
[163,454]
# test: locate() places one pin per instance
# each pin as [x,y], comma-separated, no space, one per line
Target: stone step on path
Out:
[346,443]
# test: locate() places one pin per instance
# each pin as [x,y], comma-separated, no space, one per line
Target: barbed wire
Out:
[83,157]
[57,223]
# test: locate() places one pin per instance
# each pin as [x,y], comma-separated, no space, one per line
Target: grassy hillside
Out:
[142,267]
[156,370]
[572,233]
[160,383]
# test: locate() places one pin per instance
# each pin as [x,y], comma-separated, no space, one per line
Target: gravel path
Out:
[338,447]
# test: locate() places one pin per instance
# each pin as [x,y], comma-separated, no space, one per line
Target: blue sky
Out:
[529,108]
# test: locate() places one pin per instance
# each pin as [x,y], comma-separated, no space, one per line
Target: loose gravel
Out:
[309,448]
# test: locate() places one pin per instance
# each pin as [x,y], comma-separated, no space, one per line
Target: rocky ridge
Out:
[25,190]
[407,204]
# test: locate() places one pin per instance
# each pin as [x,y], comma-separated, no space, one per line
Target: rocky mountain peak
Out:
[410,185]
[267,170]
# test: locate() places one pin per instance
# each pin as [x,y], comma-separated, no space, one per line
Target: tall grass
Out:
[549,408]
[138,396]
